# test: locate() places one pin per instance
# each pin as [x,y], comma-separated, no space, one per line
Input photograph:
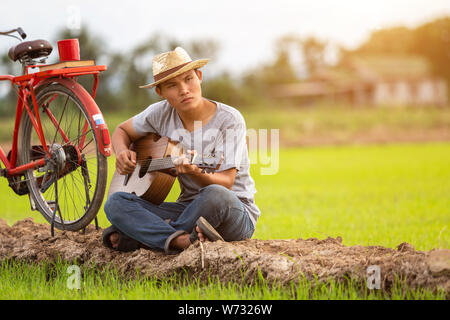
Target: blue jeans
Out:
[146,222]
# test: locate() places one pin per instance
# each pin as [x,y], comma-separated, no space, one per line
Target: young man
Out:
[211,206]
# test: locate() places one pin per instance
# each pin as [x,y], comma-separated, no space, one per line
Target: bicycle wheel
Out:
[77,166]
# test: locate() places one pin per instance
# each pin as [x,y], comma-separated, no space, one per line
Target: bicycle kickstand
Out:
[52,225]
[96,225]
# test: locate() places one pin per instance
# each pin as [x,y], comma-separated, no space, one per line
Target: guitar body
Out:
[154,186]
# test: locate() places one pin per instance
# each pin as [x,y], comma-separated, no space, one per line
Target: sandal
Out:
[126,243]
[207,229]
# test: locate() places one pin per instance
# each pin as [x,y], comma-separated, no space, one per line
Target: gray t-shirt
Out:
[224,133]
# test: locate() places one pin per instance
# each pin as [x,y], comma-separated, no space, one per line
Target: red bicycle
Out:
[60,142]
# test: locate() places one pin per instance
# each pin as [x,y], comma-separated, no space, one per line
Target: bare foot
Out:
[181,242]
[114,238]
[201,236]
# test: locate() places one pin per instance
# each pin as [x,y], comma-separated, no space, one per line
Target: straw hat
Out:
[170,64]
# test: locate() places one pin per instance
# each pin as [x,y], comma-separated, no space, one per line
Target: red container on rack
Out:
[69,50]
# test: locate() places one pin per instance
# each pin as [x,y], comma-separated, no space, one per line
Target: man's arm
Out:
[224,178]
[122,138]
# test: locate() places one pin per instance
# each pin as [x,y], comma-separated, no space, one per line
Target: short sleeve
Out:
[144,122]
[232,143]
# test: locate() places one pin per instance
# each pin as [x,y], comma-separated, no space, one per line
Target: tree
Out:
[313,53]
[203,49]
[397,40]
[430,40]
[8,101]
[93,47]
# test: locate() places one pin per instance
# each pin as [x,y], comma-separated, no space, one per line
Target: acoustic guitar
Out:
[152,179]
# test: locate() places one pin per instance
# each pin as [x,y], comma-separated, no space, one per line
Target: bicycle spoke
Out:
[64,109]
[74,184]
[87,144]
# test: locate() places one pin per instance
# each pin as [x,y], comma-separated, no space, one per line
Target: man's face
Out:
[184,91]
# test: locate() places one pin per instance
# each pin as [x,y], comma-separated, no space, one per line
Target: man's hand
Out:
[126,161]
[184,166]
[224,178]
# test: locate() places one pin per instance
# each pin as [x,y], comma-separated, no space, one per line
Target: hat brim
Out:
[192,65]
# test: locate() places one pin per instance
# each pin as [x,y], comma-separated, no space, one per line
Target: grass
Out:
[20,280]
[371,195]
[368,195]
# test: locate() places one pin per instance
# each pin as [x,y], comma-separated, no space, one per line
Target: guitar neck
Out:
[160,164]
[167,163]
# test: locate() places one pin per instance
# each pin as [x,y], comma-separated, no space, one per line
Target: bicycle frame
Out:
[27,85]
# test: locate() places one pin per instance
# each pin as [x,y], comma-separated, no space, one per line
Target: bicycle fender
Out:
[100,128]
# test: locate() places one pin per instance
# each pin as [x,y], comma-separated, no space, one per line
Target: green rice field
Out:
[369,195]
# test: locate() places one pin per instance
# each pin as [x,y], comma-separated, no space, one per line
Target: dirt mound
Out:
[280,260]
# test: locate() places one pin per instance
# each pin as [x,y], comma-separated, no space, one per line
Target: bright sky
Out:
[246,29]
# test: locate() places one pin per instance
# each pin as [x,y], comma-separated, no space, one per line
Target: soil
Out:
[245,261]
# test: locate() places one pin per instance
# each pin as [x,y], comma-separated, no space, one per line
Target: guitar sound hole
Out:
[144,167]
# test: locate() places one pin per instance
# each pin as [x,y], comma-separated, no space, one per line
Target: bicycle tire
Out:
[45,201]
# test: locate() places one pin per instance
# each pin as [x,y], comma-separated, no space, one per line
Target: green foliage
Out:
[313,53]
[432,40]
[9,100]
[222,88]
[118,88]
[396,40]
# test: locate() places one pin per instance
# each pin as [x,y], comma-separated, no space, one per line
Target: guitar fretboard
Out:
[158,164]
[164,163]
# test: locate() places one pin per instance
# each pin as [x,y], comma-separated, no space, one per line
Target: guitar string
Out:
[167,161]
[161,163]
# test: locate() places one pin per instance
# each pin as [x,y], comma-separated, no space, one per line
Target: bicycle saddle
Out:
[32,49]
